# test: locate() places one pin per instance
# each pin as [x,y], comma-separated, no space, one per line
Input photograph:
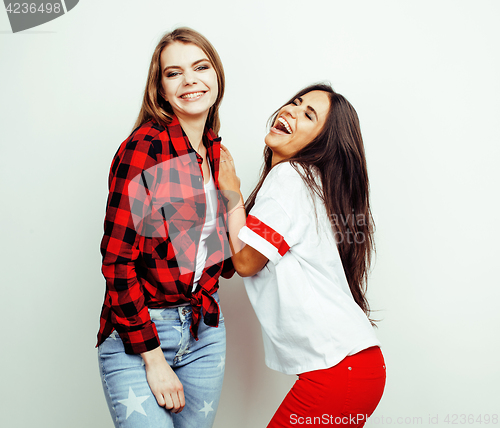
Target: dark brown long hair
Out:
[154,106]
[337,157]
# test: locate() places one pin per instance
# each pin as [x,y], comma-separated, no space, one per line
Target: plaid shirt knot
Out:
[203,301]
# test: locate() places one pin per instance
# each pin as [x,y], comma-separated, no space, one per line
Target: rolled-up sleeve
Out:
[268,229]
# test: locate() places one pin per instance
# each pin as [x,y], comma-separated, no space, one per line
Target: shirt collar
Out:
[182,145]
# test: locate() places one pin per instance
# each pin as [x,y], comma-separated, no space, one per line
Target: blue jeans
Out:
[199,366]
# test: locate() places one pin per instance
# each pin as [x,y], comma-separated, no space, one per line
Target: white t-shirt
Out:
[309,318]
[208,228]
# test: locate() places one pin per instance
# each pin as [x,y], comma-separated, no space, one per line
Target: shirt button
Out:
[349,368]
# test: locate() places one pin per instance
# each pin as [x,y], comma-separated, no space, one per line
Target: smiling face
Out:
[188,80]
[297,124]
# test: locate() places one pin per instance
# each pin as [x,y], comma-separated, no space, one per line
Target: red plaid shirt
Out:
[154,218]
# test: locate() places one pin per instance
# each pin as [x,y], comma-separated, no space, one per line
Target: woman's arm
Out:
[119,248]
[246,260]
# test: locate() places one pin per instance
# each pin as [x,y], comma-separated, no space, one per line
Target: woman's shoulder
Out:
[286,175]
[282,173]
[147,138]
[142,148]
[284,183]
[148,131]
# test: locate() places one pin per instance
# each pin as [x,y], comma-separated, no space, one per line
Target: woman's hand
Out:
[246,260]
[162,380]
[229,182]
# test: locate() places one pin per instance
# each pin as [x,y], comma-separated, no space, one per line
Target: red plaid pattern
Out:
[154,218]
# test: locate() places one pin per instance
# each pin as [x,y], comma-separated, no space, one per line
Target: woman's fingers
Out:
[229,182]
[174,401]
[177,397]
[225,153]
[176,405]
[160,400]
[224,156]
[169,403]
[182,400]
[226,161]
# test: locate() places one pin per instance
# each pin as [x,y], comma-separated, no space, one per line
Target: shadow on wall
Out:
[252,392]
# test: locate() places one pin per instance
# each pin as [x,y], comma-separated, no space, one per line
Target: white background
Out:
[424,78]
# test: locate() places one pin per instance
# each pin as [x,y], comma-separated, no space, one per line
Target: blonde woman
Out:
[162,338]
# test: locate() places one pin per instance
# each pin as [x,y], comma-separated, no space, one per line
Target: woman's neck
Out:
[275,158]
[194,130]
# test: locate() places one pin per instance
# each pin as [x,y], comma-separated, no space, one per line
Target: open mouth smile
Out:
[192,95]
[283,126]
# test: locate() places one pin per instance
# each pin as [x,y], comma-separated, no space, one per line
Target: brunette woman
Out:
[162,337]
[304,250]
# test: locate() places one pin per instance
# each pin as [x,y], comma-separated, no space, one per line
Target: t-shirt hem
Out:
[296,370]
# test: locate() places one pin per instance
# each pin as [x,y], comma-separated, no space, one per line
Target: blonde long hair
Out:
[154,106]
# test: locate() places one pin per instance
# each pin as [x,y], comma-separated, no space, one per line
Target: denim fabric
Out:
[198,364]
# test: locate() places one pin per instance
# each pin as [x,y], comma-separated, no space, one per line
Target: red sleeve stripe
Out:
[269,234]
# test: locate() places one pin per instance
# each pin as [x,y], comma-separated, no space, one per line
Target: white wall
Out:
[424,78]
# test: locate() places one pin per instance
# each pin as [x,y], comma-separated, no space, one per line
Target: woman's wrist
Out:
[153,357]
[234,199]
[238,206]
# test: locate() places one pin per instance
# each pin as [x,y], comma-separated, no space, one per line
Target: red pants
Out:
[346,394]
